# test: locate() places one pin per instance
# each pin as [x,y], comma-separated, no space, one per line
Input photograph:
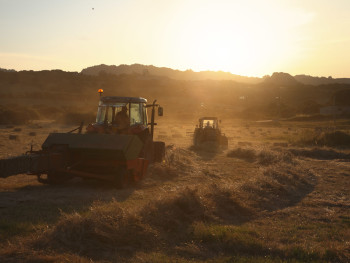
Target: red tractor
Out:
[118,147]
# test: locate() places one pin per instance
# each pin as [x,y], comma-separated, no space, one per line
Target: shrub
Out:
[17,115]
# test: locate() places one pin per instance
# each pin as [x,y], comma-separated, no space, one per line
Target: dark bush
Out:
[18,115]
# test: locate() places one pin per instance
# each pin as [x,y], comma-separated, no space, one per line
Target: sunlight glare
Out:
[243,43]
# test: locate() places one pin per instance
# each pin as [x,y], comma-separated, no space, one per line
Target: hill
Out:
[147,70]
[281,79]
[57,94]
[310,80]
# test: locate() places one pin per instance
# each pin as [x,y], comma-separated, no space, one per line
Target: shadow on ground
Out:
[24,208]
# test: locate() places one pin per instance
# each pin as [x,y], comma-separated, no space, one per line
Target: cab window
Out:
[101,113]
[144,109]
[135,113]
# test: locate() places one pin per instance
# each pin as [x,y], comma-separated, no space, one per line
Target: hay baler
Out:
[106,151]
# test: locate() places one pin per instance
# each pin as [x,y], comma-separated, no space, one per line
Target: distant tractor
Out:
[208,132]
[117,148]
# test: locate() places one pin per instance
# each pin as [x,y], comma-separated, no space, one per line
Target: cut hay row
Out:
[112,232]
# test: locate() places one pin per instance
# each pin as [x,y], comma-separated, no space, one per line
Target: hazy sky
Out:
[246,37]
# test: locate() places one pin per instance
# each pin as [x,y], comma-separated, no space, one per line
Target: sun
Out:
[245,43]
[223,49]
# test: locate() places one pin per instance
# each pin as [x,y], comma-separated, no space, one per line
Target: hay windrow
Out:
[262,156]
[168,220]
[197,207]
[279,185]
[323,153]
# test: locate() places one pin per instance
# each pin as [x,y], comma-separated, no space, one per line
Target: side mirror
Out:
[160,111]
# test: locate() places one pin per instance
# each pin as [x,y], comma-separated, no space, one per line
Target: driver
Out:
[122,120]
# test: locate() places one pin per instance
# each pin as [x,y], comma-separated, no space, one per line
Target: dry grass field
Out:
[279,193]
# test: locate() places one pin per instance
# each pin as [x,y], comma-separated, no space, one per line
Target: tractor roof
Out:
[208,118]
[123,99]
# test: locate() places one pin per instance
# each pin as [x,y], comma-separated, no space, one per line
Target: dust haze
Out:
[278,193]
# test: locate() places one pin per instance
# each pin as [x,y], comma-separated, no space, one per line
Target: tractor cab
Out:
[208,122]
[110,107]
[123,115]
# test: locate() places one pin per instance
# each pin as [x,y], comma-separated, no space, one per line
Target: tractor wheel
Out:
[195,141]
[53,177]
[148,150]
[122,178]
[159,151]
[198,140]
[197,137]
[134,177]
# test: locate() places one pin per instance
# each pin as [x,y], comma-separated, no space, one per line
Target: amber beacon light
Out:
[100,91]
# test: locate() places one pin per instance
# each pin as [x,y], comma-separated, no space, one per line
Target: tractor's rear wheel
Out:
[122,178]
[148,150]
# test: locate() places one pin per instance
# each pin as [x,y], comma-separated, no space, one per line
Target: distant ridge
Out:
[281,79]
[277,78]
[310,80]
[7,70]
[149,70]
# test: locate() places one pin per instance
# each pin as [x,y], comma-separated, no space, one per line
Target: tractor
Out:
[109,150]
[208,132]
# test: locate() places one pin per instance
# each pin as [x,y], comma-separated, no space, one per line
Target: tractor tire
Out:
[195,141]
[197,137]
[135,177]
[148,150]
[159,151]
[199,140]
[55,178]
[122,178]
